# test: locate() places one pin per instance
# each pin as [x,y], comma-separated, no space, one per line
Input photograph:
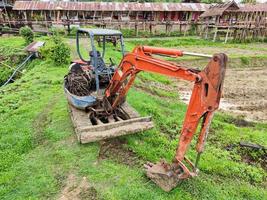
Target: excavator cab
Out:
[100,68]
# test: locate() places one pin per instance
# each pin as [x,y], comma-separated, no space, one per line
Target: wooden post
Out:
[226,37]
[136,28]
[144,26]
[150,28]
[215,34]
[94,16]
[25,14]
[207,31]
[111,17]
[45,18]
[58,16]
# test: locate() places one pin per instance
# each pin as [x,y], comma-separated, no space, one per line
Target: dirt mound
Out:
[76,189]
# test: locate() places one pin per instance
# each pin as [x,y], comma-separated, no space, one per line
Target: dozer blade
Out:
[87,131]
[162,175]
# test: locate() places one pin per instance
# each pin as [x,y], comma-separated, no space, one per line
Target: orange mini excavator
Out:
[205,99]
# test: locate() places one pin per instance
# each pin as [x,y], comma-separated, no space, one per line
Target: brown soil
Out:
[244,93]
[76,189]
[115,149]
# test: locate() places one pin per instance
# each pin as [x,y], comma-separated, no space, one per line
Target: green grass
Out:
[39,148]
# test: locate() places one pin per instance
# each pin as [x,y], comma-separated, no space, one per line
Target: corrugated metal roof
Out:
[109,6]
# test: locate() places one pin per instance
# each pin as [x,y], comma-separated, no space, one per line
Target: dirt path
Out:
[245,93]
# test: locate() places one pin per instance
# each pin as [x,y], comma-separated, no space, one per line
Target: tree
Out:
[249,1]
[211,1]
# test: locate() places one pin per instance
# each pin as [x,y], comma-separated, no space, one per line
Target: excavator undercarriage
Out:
[109,115]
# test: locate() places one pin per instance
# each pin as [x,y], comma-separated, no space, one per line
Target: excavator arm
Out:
[204,101]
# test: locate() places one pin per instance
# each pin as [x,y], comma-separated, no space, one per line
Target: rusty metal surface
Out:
[109,6]
[163,175]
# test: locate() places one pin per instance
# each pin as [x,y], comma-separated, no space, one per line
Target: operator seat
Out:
[100,64]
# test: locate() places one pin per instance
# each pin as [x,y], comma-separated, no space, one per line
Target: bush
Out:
[58,31]
[57,51]
[27,33]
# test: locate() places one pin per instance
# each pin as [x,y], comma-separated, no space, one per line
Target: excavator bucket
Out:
[168,176]
[91,130]
[162,175]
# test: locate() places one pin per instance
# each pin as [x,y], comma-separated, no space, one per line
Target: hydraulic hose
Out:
[17,69]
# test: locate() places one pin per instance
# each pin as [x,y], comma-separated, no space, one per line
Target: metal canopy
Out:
[101,32]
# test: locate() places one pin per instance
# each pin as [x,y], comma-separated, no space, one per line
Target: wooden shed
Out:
[238,21]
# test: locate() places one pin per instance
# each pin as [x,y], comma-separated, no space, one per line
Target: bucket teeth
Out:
[162,174]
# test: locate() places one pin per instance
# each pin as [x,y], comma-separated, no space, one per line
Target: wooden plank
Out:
[86,137]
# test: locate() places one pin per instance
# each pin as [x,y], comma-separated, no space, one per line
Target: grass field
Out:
[41,159]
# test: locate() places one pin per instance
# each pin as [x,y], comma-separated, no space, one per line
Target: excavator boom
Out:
[204,101]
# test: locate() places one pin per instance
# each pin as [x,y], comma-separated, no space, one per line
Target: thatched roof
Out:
[219,9]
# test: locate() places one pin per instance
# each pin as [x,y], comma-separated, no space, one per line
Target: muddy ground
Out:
[244,93]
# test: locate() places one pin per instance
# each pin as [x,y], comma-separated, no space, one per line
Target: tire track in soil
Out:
[42,120]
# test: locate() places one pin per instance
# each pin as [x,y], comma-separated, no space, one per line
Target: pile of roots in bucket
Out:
[79,83]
